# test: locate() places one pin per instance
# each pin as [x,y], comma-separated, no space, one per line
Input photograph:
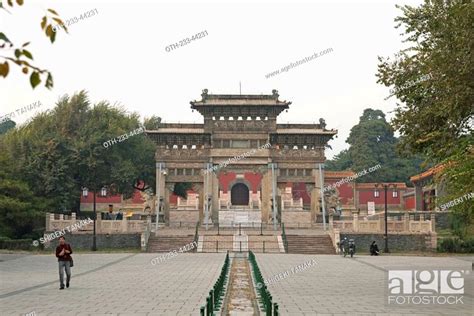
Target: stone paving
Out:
[127,284]
[345,286]
[108,284]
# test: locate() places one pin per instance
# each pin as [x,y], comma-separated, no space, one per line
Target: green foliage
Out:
[341,161]
[16,244]
[181,188]
[152,123]
[372,142]
[456,245]
[61,151]
[436,113]
[436,116]
[6,125]
[22,57]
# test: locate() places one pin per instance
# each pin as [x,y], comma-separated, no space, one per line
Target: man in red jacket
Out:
[63,253]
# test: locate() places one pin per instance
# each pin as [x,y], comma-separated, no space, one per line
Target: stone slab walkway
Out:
[345,286]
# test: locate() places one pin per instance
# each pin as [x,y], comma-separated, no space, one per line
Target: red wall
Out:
[225,179]
[101,199]
[368,195]
[298,190]
[410,202]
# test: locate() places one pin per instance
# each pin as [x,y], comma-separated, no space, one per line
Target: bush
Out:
[456,245]
[16,244]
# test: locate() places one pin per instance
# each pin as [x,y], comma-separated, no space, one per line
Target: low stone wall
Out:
[296,218]
[396,242]
[84,241]
[186,218]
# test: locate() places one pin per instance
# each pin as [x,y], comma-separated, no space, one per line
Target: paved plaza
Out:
[127,284]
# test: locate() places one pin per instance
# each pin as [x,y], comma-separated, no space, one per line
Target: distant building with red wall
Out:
[368,192]
[426,189]
[139,202]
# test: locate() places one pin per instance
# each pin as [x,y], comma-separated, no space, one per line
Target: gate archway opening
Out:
[239,194]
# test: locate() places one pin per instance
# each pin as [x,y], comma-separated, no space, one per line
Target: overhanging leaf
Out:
[35,79]
[27,54]
[4,69]
[43,23]
[52,11]
[4,37]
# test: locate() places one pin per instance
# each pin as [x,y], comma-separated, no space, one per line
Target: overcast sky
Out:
[119,55]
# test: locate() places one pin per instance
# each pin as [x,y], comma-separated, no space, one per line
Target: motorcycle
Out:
[352,248]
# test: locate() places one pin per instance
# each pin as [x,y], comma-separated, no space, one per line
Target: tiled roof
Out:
[428,173]
[400,185]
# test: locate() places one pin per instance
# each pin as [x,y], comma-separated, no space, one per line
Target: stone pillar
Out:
[381,224]
[124,225]
[61,217]
[315,196]
[418,197]
[49,218]
[433,222]
[73,217]
[406,222]
[215,197]
[98,224]
[166,203]
[355,222]
[160,188]
[266,195]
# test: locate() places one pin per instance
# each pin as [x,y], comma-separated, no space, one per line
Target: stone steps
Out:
[168,243]
[317,244]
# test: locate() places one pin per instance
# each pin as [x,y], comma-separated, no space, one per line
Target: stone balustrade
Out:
[378,225]
[55,222]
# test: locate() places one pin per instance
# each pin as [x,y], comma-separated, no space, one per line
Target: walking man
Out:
[63,253]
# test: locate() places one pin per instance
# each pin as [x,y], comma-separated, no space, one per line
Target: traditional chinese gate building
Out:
[244,167]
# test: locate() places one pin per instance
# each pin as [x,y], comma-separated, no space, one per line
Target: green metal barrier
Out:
[283,237]
[216,295]
[265,296]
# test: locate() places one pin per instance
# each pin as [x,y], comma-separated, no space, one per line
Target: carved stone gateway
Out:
[220,155]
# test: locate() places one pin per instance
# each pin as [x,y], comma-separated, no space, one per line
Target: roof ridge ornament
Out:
[204,94]
[275,94]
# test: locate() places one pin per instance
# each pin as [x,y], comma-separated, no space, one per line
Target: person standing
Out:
[63,253]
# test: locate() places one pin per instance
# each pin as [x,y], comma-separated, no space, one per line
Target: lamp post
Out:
[94,237]
[385,186]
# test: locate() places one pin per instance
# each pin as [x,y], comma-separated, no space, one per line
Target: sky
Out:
[120,55]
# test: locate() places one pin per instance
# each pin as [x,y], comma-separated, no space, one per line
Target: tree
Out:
[60,152]
[23,57]
[372,142]
[6,125]
[20,209]
[436,116]
[152,123]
